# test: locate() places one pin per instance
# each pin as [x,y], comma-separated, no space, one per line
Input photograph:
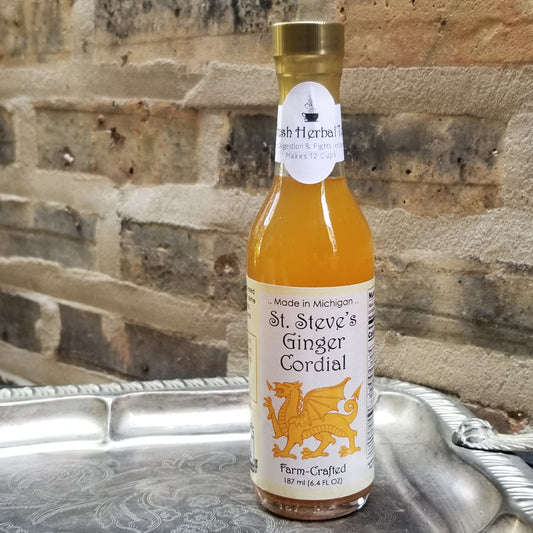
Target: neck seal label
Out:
[309,133]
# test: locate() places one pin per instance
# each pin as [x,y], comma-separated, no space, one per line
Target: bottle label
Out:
[309,133]
[311,360]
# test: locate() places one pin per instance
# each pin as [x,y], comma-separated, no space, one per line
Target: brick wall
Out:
[136,145]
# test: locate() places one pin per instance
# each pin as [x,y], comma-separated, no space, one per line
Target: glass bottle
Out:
[310,290]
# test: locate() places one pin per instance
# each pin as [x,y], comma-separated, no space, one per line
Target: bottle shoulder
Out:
[294,208]
[306,232]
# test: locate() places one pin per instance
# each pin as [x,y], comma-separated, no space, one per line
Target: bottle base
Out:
[312,509]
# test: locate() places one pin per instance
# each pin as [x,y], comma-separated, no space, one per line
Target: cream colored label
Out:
[311,389]
[309,133]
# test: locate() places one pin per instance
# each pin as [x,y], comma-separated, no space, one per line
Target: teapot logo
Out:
[310,114]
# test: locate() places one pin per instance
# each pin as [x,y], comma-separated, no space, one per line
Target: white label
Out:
[309,133]
[311,389]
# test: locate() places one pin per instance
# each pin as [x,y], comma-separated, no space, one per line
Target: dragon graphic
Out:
[313,415]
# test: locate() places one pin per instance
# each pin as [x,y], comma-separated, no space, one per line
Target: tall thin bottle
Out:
[310,292]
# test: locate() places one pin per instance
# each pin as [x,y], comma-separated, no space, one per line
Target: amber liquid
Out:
[311,236]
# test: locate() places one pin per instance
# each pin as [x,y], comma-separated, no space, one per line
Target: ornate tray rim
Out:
[507,472]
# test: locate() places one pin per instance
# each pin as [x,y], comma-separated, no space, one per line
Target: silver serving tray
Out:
[172,456]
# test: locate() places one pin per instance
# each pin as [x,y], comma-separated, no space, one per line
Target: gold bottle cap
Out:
[308,38]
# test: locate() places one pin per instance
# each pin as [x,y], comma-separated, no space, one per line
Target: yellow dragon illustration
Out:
[313,415]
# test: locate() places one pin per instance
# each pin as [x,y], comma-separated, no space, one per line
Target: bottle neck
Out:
[294,69]
[337,172]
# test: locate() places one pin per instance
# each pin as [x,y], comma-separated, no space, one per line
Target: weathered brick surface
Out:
[425,164]
[7,138]
[417,33]
[248,154]
[18,321]
[134,350]
[163,356]
[35,31]
[49,231]
[184,261]
[170,259]
[458,300]
[134,143]
[158,20]
[161,194]
[83,341]
[229,269]
[518,184]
